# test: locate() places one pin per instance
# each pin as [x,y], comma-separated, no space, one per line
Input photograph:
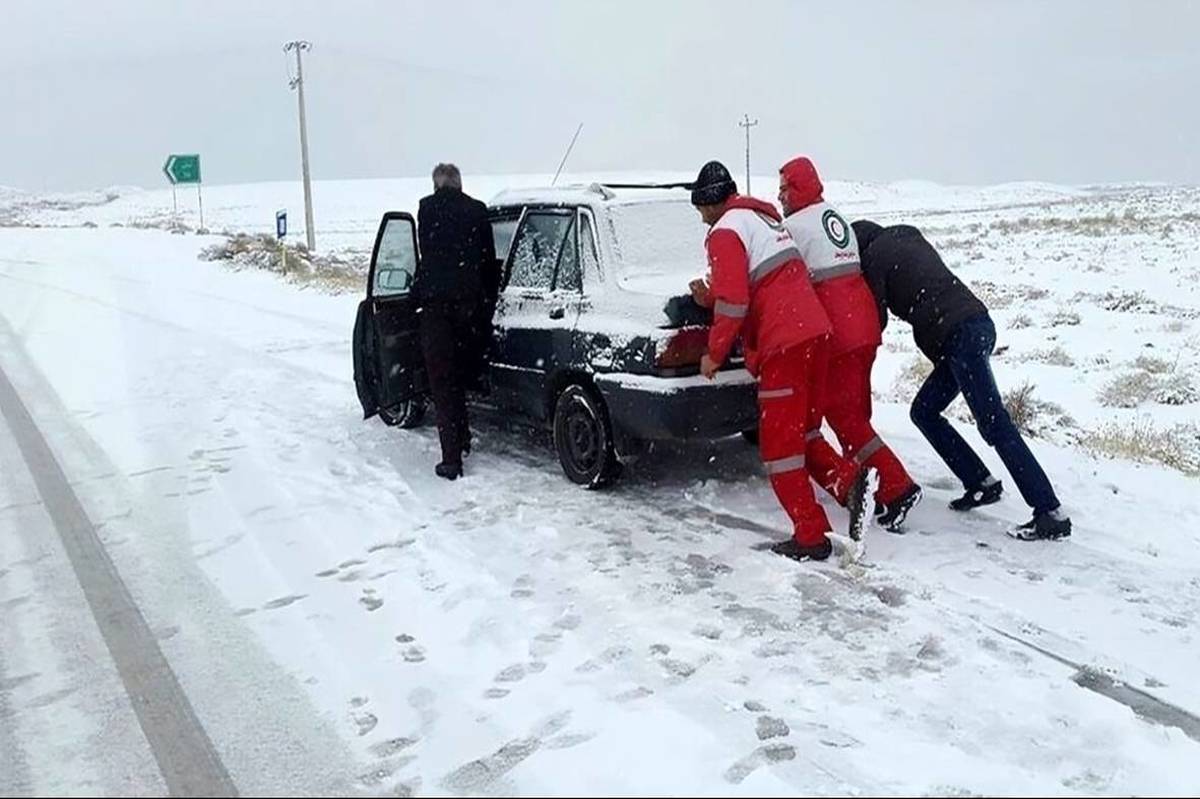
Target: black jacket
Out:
[458,254]
[909,278]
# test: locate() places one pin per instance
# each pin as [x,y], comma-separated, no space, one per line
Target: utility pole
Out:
[297,83]
[747,124]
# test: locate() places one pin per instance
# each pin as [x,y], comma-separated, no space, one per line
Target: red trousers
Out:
[787,383]
[843,399]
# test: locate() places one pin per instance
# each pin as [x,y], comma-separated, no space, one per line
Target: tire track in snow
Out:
[186,757]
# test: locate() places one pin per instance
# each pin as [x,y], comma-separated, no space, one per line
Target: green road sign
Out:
[182,169]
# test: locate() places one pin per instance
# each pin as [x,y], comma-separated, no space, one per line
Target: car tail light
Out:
[684,348]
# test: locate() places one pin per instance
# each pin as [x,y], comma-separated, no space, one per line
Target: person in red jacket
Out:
[761,293]
[830,251]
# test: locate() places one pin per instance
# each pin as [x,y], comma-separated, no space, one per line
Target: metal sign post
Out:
[280,232]
[184,169]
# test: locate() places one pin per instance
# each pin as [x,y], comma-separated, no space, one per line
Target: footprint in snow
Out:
[283,601]
[365,722]
[767,727]
[377,775]
[570,621]
[605,658]
[763,755]
[522,588]
[545,644]
[390,747]
[633,694]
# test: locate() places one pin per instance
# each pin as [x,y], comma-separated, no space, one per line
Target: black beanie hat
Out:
[714,184]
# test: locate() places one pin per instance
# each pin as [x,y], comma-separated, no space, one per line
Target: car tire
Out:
[751,436]
[583,438]
[407,414]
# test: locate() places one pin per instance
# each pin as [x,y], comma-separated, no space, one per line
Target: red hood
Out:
[753,204]
[803,184]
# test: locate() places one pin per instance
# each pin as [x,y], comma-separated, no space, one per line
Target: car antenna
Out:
[567,154]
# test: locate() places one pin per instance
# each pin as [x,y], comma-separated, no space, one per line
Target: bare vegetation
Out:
[1064,317]
[1150,380]
[1055,356]
[1032,416]
[1020,322]
[1177,447]
[328,271]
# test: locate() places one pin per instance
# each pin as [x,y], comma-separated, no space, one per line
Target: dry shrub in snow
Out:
[1055,356]
[1177,447]
[1033,416]
[1139,386]
[262,251]
[1153,365]
[912,376]
[1064,316]
[1020,322]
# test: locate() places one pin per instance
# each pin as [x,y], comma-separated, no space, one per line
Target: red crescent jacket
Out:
[760,285]
[827,244]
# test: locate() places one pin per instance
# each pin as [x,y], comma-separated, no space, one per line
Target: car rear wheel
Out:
[583,438]
[407,414]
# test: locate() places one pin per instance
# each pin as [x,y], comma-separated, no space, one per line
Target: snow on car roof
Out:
[590,194]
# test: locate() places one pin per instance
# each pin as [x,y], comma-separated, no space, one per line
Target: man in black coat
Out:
[954,330]
[456,285]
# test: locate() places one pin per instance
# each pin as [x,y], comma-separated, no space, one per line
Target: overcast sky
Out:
[97,93]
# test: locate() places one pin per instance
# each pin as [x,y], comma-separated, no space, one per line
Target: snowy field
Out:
[343,621]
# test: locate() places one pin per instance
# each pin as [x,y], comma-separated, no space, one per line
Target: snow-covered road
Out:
[341,620]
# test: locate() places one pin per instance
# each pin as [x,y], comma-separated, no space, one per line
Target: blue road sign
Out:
[280,224]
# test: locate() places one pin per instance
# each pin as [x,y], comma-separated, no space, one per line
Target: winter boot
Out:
[795,551]
[1048,526]
[856,503]
[986,494]
[891,515]
[450,471]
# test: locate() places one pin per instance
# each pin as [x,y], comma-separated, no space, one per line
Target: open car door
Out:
[389,368]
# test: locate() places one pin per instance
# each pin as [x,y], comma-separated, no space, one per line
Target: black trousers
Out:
[450,342]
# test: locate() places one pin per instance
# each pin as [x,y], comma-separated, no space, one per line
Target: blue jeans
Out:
[965,366]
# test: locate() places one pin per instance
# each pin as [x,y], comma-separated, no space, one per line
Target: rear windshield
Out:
[659,246]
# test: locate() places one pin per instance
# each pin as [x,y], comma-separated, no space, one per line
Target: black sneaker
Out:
[856,503]
[1049,526]
[978,497]
[895,512]
[450,471]
[790,549]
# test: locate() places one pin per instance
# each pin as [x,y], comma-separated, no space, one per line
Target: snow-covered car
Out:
[591,334]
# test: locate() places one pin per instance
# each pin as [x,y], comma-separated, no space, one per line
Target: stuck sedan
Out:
[590,335]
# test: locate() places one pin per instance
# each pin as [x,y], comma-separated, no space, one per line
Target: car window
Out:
[589,259]
[502,235]
[537,249]
[396,262]
[568,277]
